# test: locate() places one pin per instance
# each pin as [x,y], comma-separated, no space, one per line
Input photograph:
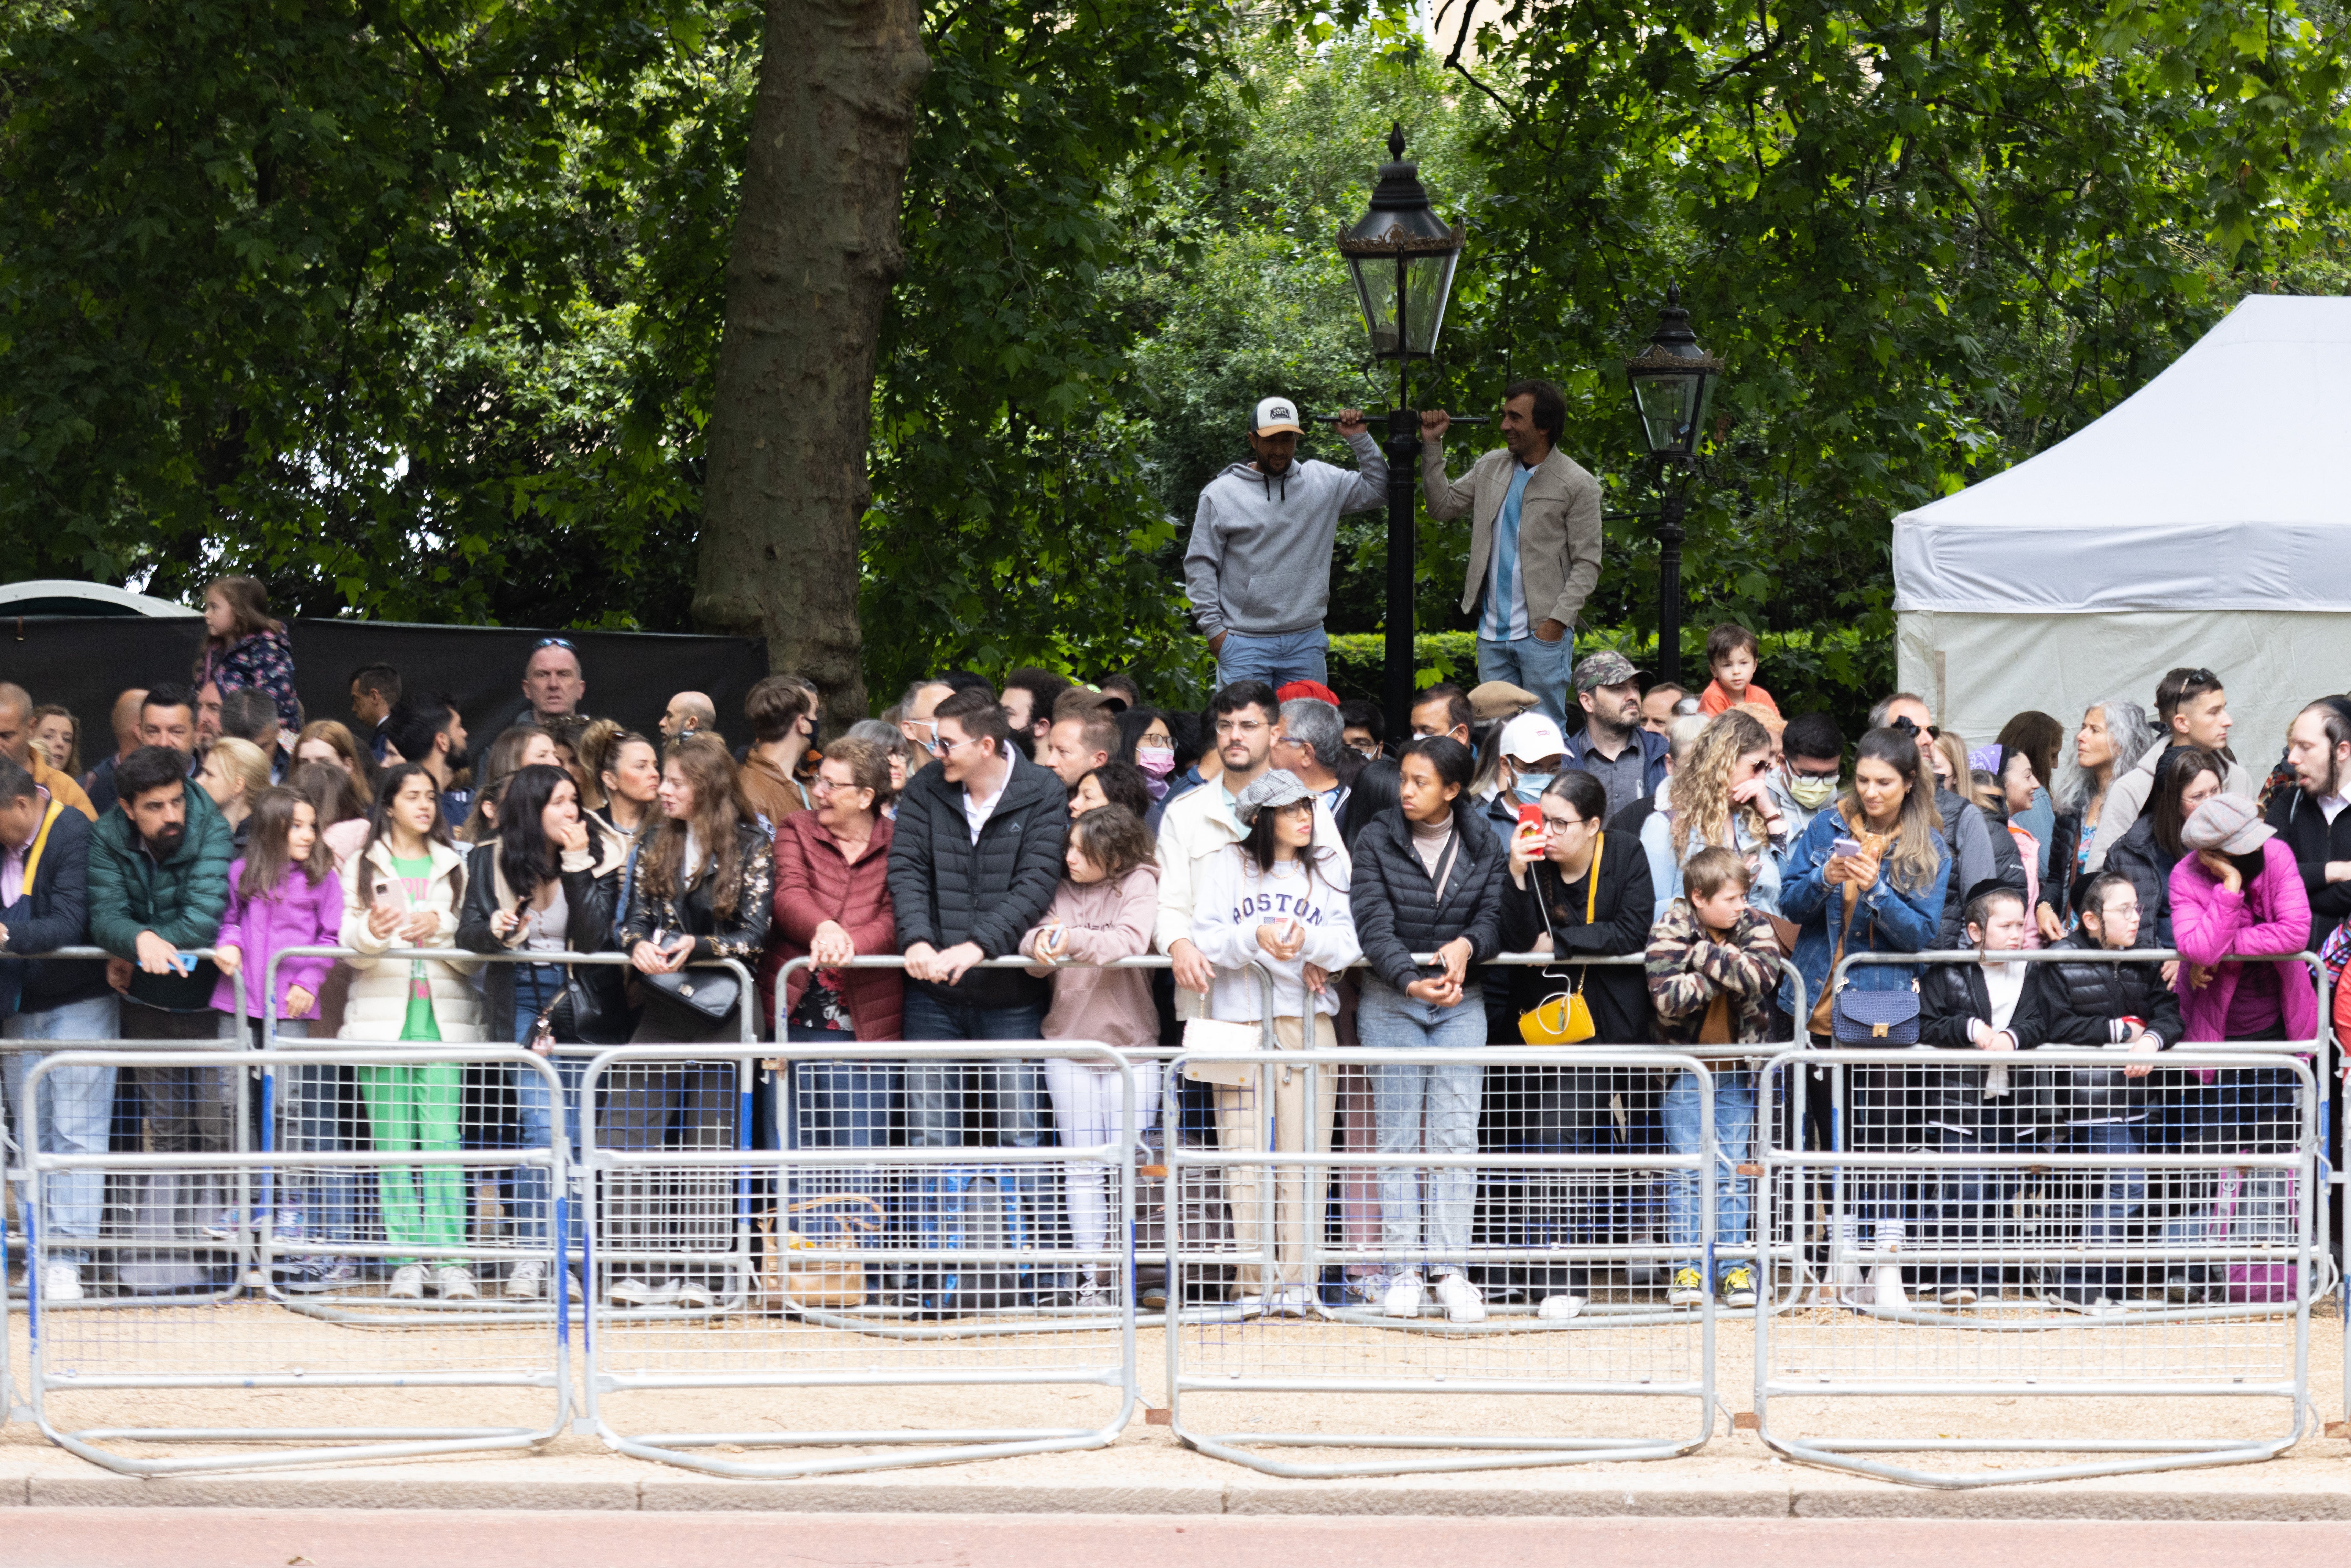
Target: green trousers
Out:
[417,1108]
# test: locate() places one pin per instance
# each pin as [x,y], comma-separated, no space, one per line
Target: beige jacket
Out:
[379,999]
[1559,527]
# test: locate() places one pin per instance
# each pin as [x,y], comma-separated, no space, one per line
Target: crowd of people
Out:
[1007,839]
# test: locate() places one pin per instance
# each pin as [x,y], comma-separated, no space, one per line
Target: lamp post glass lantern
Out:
[1402,257]
[1673,379]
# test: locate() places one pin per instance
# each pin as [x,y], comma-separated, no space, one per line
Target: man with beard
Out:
[2310,816]
[158,881]
[425,729]
[1258,569]
[1628,759]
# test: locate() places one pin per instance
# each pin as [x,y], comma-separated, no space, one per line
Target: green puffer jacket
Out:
[179,899]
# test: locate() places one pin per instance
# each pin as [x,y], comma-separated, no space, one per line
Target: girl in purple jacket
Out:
[283,892]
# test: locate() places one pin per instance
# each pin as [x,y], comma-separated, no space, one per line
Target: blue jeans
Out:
[1013,1092]
[76,1116]
[309,1111]
[1276,660]
[1535,665]
[1734,1133]
[835,1104]
[1445,1098]
[534,985]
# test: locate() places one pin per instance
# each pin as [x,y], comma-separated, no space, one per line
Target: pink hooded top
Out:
[2271,914]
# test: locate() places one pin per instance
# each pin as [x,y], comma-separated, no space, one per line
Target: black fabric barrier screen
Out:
[82,662]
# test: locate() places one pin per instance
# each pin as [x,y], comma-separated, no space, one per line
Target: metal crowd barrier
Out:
[2001,1267]
[180,1244]
[713,1113]
[1547,1249]
[2316,1050]
[925,1269]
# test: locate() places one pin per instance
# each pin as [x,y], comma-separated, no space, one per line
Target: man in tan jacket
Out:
[1534,544]
[783,714]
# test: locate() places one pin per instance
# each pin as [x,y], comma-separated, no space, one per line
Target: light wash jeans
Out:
[1443,1098]
[76,1114]
[1534,665]
[1734,1134]
[535,985]
[1276,660]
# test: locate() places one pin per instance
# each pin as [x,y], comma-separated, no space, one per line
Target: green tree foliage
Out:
[1012,522]
[384,301]
[1928,238]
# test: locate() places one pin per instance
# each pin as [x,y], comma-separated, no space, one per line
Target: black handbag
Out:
[713,993]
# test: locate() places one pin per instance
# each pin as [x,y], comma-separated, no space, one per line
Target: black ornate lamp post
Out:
[1672,380]
[1401,254]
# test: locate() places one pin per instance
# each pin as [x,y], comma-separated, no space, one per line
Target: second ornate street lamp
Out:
[1672,380]
[1402,255]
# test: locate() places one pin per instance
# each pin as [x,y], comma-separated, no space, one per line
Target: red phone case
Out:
[1530,812]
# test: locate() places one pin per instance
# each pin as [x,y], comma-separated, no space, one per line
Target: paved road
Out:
[233,1538]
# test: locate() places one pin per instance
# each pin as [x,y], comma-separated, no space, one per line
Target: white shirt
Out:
[2332,806]
[976,810]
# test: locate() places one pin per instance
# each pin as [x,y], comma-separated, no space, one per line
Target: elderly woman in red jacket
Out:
[833,904]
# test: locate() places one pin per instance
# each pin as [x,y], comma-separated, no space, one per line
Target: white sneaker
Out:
[687,1294]
[1294,1301]
[1555,1308]
[1959,1296]
[526,1280]
[454,1282]
[407,1283]
[1460,1299]
[61,1282]
[637,1293]
[1405,1294]
[1890,1295]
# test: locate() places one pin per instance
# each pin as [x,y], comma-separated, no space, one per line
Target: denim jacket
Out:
[1884,920]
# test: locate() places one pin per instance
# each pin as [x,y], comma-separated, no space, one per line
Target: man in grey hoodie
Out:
[1258,570]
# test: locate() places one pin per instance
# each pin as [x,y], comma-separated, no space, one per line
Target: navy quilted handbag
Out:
[1875,1017]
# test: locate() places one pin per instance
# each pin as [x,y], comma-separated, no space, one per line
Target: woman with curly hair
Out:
[1720,797]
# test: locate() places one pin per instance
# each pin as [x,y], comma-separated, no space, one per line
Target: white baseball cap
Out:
[1277,413]
[1531,737]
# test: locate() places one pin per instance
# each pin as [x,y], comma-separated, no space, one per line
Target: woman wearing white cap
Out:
[1274,899]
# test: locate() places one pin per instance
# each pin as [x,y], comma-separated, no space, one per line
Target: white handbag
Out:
[1223,1039]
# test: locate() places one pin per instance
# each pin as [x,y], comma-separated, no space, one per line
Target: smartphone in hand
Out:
[1846,849]
[1531,814]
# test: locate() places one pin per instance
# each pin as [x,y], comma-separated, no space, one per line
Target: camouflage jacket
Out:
[1687,970]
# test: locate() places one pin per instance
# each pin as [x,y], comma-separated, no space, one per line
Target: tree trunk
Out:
[815,252]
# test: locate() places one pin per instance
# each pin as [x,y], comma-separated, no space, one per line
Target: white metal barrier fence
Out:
[1978,1253]
[1525,1253]
[188,1322]
[923,1270]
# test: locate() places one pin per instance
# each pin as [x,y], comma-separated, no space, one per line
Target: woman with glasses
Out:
[832,904]
[1576,891]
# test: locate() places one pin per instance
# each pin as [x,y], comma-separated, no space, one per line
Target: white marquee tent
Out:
[2205,520]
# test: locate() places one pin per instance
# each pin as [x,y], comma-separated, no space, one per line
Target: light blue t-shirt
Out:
[1505,618]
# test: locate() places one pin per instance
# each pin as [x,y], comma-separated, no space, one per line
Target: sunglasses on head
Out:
[564,642]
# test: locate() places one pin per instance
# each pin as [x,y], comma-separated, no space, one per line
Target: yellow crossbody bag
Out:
[1564,1018]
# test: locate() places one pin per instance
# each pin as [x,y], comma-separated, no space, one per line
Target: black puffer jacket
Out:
[2083,1004]
[1618,996]
[2137,856]
[597,1011]
[1395,903]
[2007,867]
[946,889]
[2064,842]
[2315,841]
[1950,997]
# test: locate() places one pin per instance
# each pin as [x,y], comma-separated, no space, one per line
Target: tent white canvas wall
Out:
[2204,520]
